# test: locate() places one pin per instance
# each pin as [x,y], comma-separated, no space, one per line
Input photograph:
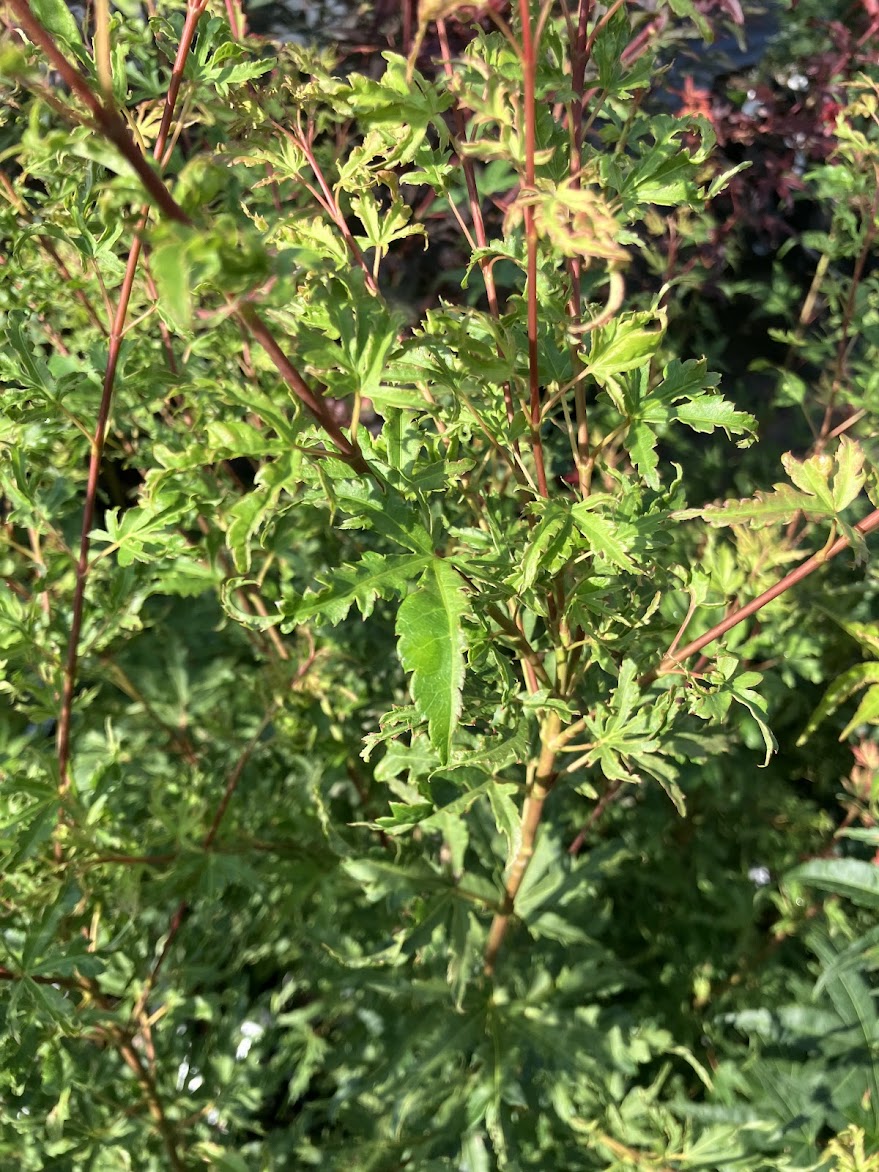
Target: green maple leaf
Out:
[431,645]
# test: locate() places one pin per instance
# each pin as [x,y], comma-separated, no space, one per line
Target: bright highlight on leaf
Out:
[827,485]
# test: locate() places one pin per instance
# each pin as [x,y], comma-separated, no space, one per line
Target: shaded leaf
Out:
[603,536]
[838,692]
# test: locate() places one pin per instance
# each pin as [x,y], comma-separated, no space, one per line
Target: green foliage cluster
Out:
[390,776]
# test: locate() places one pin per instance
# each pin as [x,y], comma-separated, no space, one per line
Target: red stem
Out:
[193,14]
[607,798]
[108,120]
[475,207]
[311,399]
[529,79]
[672,663]
[848,314]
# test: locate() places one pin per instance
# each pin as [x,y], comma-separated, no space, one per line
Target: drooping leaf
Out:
[431,645]
[756,705]
[850,476]
[839,691]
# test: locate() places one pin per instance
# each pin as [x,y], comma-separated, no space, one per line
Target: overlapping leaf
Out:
[431,645]
[362,583]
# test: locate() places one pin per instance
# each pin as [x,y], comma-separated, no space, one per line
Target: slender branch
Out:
[554,739]
[476,216]
[609,796]
[110,123]
[154,1103]
[313,400]
[637,46]
[603,23]
[856,417]
[106,118]
[872,224]
[578,75]
[237,19]
[78,83]
[80,985]
[518,637]
[235,777]
[529,85]
[331,206]
[131,860]
[532,812]
[672,662]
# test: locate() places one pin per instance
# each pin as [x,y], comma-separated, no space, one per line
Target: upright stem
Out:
[579,59]
[872,223]
[112,125]
[156,1108]
[529,76]
[554,739]
[193,15]
[476,216]
[532,812]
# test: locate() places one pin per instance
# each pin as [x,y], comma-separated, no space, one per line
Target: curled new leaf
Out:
[574,217]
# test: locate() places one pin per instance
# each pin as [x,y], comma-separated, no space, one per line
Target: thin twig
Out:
[331,205]
[106,118]
[529,83]
[312,399]
[79,85]
[610,795]
[602,24]
[673,662]
[154,1103]
[579,60]
[872,224]
[476,217]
